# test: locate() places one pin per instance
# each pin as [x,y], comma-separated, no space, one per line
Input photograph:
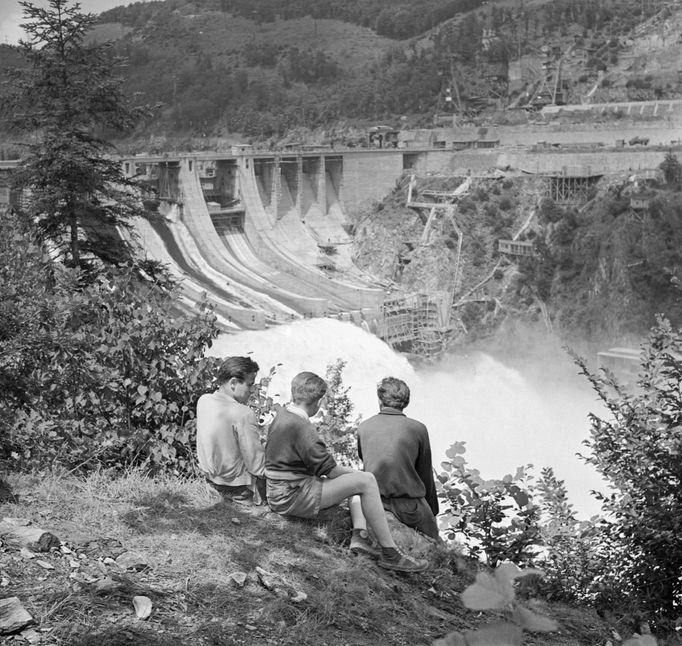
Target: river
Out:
[535,413]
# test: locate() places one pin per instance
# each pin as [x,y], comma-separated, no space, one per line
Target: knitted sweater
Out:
[294,449]
[396,449]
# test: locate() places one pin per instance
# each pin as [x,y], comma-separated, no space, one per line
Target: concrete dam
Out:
[266,235]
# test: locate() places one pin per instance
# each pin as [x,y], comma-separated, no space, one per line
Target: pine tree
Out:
[65,98]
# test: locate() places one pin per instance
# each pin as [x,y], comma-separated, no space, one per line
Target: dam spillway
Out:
[266,236]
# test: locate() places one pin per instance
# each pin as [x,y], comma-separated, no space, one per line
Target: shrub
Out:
[105,373]
[496,519]
[637,450]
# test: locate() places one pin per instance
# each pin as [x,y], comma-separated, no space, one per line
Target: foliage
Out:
[336,427]
[672,169]
[637,450]
[496,519]
[65,97]
[572,550]
[105,373]
[496,592]
[605,269]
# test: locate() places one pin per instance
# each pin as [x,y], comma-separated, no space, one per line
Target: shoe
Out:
[360,543]
[404,563]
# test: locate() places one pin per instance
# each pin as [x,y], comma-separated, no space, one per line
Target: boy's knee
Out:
[368,480]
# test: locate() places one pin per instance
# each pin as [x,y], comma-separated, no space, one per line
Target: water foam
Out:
[506,418]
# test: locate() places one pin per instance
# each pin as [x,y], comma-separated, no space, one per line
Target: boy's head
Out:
[236,377]
[393,393]
[307,388]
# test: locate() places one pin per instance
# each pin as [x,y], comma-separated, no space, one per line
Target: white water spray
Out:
[507,420]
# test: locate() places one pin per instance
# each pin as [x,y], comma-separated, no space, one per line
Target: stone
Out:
[132,561]
[106,585]
[13,616]
[104,547]
[46,565]
[332,524]
[143,607]
[266,578]
[298,596]
[238,578]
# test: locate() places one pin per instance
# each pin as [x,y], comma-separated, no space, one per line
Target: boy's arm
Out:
[424,469]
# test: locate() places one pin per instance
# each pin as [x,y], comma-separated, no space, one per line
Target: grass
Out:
[193,542]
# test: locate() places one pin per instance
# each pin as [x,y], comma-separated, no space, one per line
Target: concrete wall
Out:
[597,162]
[368,176]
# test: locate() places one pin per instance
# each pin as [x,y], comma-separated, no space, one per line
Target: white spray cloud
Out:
[507,419]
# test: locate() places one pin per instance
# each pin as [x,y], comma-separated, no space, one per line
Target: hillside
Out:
[256,71]
[218,573]
[602,266]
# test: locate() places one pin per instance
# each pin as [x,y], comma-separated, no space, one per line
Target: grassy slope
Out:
[193,541]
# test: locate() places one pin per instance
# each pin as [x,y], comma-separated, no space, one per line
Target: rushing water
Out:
[508,417]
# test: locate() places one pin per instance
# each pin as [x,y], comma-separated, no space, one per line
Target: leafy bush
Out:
[105,373]
[637,450]
[336,427]
[496,519]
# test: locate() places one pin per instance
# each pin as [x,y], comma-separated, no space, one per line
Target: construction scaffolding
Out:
[417,323]
[571,186]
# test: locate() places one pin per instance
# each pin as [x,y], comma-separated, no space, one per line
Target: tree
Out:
[67,99]
[672,169]
[637,450]
[105,373]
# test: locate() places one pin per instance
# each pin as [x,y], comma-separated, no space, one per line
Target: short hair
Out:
[393,392]
[238,367]
[307,387]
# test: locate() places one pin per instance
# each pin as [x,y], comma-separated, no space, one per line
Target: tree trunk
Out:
[75,250]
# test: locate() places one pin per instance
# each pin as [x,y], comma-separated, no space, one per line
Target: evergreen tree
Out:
[65,98]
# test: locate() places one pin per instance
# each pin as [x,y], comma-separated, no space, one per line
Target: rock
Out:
[407,539]
[26,554]
[104,547]
[238,578]
[333,524]
[143,607]
[298,596]
[13,616]
[31,636]
[266,578]
[132,561]
[45,564]
[21,531]
[106,585]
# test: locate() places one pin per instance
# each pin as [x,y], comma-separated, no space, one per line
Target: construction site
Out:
[267,237]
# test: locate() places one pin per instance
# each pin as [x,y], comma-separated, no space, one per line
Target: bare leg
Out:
[334,490]
[357,517]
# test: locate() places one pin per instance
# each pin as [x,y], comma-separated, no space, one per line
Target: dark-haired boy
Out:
[229,449]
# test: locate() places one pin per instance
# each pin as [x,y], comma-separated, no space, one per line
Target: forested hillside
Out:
[259,70]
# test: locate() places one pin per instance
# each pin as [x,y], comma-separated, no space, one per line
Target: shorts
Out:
[415,513]
[300,498]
